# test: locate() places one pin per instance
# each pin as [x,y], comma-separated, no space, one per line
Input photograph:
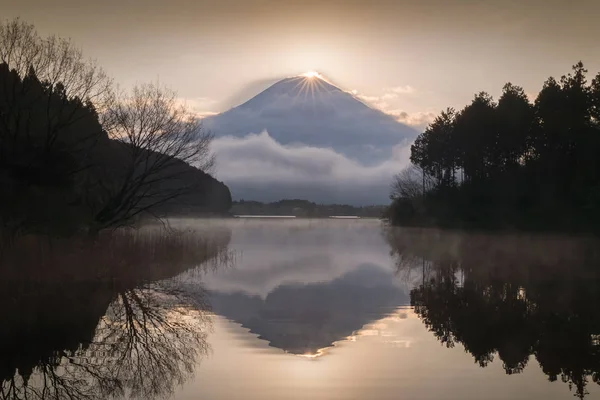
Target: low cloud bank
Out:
[257,167]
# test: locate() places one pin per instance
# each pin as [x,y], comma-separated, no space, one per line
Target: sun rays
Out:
[308,84]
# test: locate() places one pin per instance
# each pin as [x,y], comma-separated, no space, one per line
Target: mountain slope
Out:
[313,112]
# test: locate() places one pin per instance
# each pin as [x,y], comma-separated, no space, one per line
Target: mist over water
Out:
[296,308]
[401,201]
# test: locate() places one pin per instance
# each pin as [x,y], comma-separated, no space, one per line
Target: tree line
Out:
[510,163]
[303,208]
[78,153]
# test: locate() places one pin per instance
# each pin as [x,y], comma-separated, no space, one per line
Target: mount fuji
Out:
[304,137]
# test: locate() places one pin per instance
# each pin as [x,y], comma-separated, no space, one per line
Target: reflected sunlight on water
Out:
[378,348]
[320,309]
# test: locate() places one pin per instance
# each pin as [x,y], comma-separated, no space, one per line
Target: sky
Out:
[409,58]
[425,55]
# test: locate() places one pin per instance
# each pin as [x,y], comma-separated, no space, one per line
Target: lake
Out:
[297,309]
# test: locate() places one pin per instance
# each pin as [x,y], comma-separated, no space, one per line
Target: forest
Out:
[303,208]
[79,154]
[510,163]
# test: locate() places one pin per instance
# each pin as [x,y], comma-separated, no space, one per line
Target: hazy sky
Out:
[411,58]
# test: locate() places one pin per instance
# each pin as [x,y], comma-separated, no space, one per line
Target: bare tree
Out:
[63,73]
[411,182]
[149,342]
[157,139]
[407,183]
[50,96]
[66,106]
[140,332]
[55,60]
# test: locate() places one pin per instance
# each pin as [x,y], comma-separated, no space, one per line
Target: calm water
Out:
[321,309]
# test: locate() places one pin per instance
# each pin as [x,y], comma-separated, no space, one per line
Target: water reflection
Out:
[305,319]
[121,326]
[134,315]
[514,297]
[304,285]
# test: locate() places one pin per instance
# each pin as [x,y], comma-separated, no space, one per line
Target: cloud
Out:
[367,99]
[322,146]
[378,102]
[400,89]
[202,107]
[205,114]
[258,161]
[328,119]
[417,120]
[390,93]
[300,163]
[387,102]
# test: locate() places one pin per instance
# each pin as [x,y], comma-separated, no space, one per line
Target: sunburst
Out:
[312,75]
[309,82]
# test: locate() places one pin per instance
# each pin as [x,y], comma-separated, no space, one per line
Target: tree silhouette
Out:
[56,61]
[46,143]
[520,165]
[75,154]
[155,141]
[126,325]
[434,151]
[147,343]
[510,298]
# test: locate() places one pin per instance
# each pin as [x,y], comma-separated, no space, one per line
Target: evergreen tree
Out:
[520,164]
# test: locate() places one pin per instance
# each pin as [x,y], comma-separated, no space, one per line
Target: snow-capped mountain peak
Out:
[303,116]
[312,111]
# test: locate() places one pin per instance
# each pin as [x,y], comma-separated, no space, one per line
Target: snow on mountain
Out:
[307,118]
[314,112]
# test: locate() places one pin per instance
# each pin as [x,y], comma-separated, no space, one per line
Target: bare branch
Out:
[55,60]
[161,144]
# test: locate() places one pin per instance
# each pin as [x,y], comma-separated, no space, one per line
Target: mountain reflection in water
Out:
[222,308]
[304,285]
[304,319]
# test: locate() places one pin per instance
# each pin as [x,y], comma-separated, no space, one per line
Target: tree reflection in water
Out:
[113,338]
[513,297]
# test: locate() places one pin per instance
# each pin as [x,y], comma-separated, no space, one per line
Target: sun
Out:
[309,83]
[312,75]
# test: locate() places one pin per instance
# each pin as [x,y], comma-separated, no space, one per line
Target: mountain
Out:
[304,137]
[311,111]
